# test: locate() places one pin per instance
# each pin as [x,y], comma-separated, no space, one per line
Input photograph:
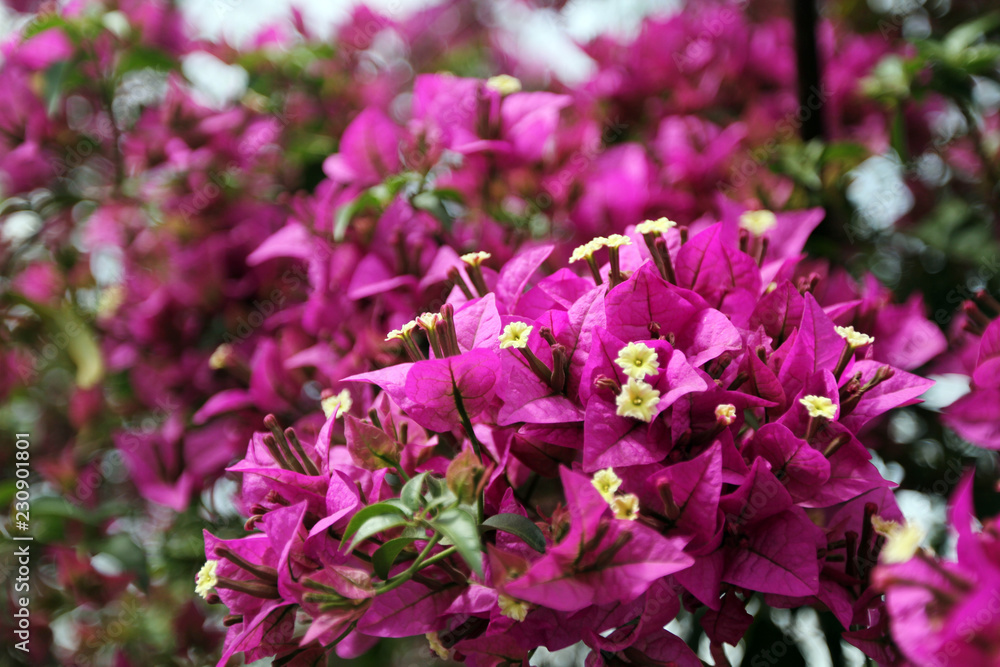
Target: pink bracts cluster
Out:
[945,612]
[691,410]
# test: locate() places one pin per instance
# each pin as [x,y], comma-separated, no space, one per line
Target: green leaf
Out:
[459,528]
[429,202]
[965,35]
[130,555]
[400,505]
[144,57]
[371,520]
[55,77]
[518,526]
[412,492]
[445,499]
[346,213]
[78,339]
[435,486]
[385,556]
[376,525]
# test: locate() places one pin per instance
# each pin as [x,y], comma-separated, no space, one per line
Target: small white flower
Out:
[206,579]
[220,357]
[854,338]
[429,320]
[398,334]
[606,482]
[902,542]
[819,406]
[758,223]
[617,241]
[515,335]
[658,226]
[341,402]
[637,400]
[725,413]
[637,360]
[505,84]
[475,258]
[512,607]
[626,507]
[587,249]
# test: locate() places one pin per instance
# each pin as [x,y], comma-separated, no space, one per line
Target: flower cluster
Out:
[177,266]
[945,611]
[693,411]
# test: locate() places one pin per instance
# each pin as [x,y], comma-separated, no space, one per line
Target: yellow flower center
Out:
[505,84]
[637,400]
[902,542]
[475,258]
[341,403]
[819,406]
[515,335]
[220,357]
[725,413]
[110,300]
[606,482]
[206,579]
[758,222]
[637,360]
[658,226]
[626,507]
[854,338]
[512,607]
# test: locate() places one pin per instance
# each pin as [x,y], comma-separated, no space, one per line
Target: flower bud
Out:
[464,475]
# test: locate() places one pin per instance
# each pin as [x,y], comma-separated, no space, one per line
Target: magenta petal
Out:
[293,240]
[529,120]
[729,623]
[712,269]
[987,373]
[976,417]
[694,487]
[613,441]
[477,324]
[435,387]
[804,469]
[817,346]
[411,609]
[779,312]
[900,390]
[516,274]
[779,557]
[225,401]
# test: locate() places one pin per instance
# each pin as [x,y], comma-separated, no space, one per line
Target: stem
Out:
[477,447]
[594,271]
[845,358]
[419,564]
[807,65]
[307,462]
